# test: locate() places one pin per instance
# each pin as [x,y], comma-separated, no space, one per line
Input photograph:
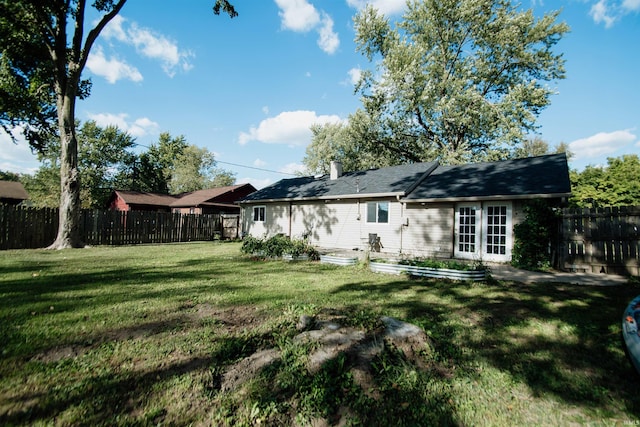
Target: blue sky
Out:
[248,88]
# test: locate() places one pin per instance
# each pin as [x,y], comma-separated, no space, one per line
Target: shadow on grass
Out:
[109,394]
[558,339]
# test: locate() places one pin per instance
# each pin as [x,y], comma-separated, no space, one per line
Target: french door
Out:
[484,231]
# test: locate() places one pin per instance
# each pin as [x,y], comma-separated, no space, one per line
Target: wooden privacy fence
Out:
[601,240]
[28,228]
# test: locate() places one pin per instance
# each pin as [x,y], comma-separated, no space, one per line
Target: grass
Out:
[141,335]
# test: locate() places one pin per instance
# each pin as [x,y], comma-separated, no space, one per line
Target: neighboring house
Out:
[12,193]
[122,200]
[220,200]
[213,200]
[425,209]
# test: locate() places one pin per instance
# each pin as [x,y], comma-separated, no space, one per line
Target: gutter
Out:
[488,198]
[397,195]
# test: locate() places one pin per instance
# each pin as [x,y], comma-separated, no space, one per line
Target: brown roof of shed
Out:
[137,198]
[208,196]
[13,190]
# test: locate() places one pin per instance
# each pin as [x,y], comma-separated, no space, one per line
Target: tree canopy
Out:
[613,185]
[107,162]
[454,80]
[44,49]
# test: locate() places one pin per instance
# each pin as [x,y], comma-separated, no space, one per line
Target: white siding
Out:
[276,220]
[413,229]
[332,224]
[343,224]
[329,225]
[430,230]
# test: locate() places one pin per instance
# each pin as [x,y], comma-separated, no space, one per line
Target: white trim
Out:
[377,212]
[508,232]
[471,247]
[479,240]
[264,213]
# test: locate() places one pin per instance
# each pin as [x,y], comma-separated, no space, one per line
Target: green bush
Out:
[278,245]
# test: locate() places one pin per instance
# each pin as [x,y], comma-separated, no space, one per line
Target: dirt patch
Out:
[330,338]
[57,354]
[233,319]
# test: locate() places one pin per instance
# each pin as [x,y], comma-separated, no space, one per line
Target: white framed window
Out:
[378,212]
[258,213]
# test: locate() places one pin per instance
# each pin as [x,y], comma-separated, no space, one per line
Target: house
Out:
[424,209]
[122,200]
[214,200]
[12,193]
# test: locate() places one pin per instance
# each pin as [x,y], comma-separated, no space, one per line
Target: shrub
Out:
[251,245]
[278,245]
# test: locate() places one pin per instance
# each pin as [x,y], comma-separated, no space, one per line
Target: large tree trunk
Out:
[69,221]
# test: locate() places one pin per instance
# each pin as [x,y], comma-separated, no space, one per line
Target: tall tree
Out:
[341,142]
[58,27]
[9,176]
[192,170]
[173,166]
[537,146]
[613,185]
[455,80]
[104,154]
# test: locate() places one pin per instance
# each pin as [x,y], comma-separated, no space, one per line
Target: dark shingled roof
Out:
[390,181]
[13,190]
[543,176]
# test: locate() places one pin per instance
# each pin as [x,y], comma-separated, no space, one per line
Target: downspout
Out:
[401,220]
[290,218]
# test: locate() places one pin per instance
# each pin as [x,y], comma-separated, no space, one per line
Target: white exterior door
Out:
[497,238]
[468,221]
[484,231]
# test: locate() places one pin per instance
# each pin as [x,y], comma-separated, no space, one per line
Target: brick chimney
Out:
[336,170]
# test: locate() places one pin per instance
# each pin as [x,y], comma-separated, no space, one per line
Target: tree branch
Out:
[95,32]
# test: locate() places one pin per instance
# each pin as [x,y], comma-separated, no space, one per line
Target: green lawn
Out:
[140,336]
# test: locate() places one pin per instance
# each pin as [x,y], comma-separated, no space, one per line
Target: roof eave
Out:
[332,197]
[488,198]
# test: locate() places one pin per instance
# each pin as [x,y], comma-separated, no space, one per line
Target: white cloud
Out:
[601,144]
[301,16]
[387,7]
[137,128]
[608,12]
[328,41]
[114,29]
[150,44]
[111,69]
[259,163]
[17,157]
[265,110]
[601,13]
[258,183]
[293,168]
[354,75]
[298,15]
[289,127]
